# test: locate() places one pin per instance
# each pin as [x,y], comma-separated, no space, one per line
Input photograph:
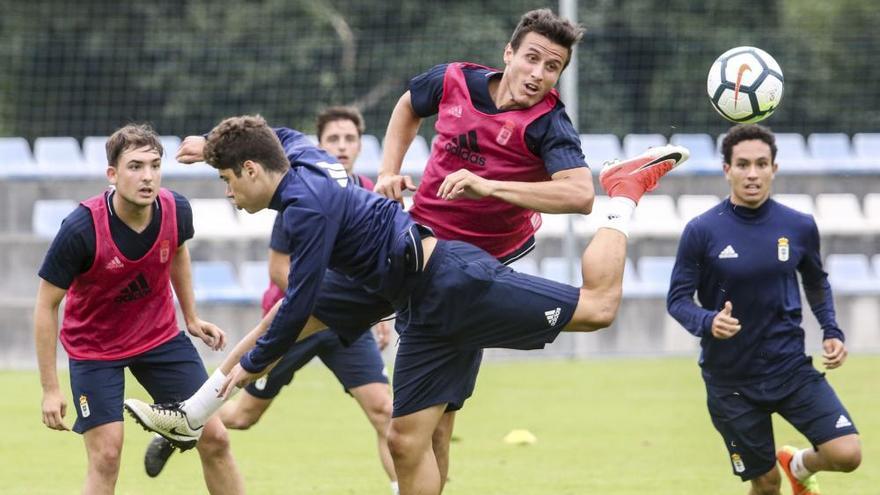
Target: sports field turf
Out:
[610,427]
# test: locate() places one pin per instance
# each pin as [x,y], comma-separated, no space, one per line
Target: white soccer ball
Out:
[745,84]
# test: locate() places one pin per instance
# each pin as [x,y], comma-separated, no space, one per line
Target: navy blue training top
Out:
[329,222]
[551,136]
[72,252]
[751,258]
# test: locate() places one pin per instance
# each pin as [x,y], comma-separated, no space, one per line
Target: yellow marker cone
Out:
[520,437]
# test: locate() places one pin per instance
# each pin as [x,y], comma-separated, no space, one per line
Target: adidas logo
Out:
[465,148]
[727,252]
[842,422]
[135,290]
[114,264]
[552,316]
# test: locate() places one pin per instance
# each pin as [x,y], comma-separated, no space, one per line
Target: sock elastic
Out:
[797,465]
[202,404]
[395,489]
[618,214]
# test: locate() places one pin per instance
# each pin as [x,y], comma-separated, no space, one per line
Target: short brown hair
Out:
[248,137]
[544,22]
[747,132]
[333,114]
[132,136]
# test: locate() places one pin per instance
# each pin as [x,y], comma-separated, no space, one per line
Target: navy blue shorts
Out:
[742,415]
[354,365]
[467,301]
[347,308]
[170,372]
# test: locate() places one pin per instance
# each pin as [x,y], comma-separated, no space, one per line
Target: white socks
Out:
[202,404]
[618,214]
[797,466]
[395,489]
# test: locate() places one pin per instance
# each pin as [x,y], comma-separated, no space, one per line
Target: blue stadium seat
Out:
[876,262]
[832,151]
[254,277]
[851,274]
[416,157]
[312,138]
[866,148]
[655,273]
[48,215]
[370,159]
[632,283]
[59,156]
[600,148]
[215,218]
[16,157]
[839,213]
[526,265]
[656,216]
[704,159]
[800,202]
[95,152]
[215,281]
[792,155]
[872,212]
[636,144]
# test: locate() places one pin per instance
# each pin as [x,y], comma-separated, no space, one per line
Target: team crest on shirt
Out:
[738,464]
[84,406]
[164,251]
[782,250]
[504,134]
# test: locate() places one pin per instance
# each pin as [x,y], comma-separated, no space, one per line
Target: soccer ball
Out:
[745,84]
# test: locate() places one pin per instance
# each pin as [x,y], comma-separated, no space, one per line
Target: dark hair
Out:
[544,22]
[747,132]
[132,136]
[333,114]
[248,137]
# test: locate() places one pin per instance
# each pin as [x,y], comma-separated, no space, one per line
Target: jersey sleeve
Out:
[558,143]
[816,286]
[72,252]
[185,229]
[426,91]
[312,235]
[684,282]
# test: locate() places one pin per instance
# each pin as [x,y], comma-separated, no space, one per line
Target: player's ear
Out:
[111,174]
[726,169]
[250,169]
[508,53]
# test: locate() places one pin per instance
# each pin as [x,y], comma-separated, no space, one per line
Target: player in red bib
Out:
[116,258]
[505,152]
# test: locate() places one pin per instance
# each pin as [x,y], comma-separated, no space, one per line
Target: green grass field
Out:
[610,427]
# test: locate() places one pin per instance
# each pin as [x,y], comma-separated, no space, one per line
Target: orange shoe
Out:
[634,177]
[809,486]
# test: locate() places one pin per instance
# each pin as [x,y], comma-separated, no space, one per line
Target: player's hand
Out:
[191,150]
[392,186]
[724,325]
[464,184]
[210,333]
[237,377]
[383,333]
[834,353]
[54,410]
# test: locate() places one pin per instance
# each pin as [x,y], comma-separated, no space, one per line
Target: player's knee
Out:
[402,445]
[240,421]
[593,312]
[848,461]
[380,416]
[214,440]
[106,460]
[767,484]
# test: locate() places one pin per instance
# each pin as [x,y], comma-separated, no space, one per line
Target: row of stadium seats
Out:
[657,215]
[217,281]
[818,153]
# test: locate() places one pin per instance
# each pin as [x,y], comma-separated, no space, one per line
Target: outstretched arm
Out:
[683,284]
